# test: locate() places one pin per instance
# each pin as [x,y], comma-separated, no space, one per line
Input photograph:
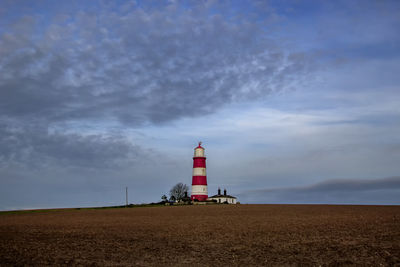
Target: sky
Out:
[294,101]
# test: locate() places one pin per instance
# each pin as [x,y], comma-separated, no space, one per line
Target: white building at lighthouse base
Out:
[219,198]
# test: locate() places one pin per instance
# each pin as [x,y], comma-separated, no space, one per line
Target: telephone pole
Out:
[126,194]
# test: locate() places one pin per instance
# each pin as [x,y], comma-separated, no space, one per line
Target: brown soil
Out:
[204,235]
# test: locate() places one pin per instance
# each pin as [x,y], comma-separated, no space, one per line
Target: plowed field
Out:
[204,236]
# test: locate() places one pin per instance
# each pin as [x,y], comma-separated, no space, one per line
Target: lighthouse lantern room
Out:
[199,181]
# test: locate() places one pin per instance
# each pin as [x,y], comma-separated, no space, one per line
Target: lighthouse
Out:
[199,180]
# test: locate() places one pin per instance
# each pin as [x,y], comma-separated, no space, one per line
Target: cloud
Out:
[65,70]
[339,191]
[138,66]
[36,147]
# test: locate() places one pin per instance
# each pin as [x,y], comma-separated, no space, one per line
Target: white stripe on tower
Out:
[199,171]
[199,190]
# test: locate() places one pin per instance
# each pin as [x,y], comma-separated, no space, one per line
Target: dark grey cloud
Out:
[138,65]
[47,167]
[337,191]
[37,147]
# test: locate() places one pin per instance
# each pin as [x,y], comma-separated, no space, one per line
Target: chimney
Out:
[219,191]
[224,192]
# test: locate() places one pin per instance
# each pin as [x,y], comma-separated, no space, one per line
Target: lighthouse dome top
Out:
[199,151]
[199,146]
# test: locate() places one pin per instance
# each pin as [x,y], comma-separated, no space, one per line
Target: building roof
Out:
[225,196]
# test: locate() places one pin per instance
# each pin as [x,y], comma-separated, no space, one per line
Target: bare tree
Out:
[178,191]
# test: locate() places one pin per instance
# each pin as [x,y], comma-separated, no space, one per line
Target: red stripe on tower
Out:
[199,180]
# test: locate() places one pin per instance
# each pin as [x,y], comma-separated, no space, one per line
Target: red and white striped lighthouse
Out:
[199,181]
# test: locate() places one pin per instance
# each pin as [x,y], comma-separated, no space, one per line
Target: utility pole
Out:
[126,194]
